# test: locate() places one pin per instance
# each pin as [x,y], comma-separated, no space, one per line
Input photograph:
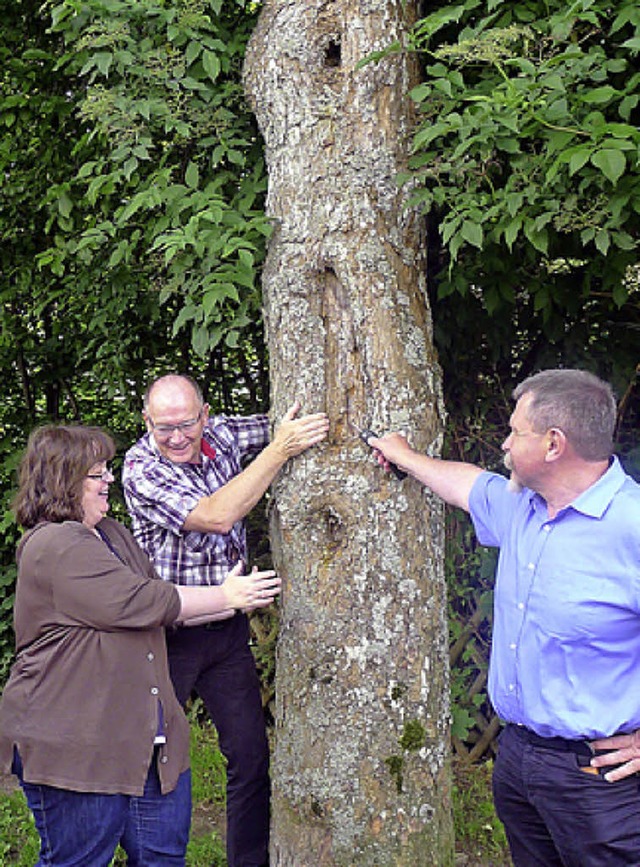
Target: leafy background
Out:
[133,232]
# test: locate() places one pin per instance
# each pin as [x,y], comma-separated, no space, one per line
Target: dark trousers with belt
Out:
[555,813]
[215,661]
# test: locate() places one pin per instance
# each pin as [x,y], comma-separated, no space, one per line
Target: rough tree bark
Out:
[360,764]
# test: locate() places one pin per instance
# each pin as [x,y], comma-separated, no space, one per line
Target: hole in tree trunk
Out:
[333,54]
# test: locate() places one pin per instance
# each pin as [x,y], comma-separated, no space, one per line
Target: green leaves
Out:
[611,163]
[526,123]
[171,162]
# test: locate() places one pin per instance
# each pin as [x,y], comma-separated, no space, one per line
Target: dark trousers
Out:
[557,815]
[216,662]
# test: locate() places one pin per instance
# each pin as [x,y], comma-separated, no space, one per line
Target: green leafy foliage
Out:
[167,183]
[527,148]
[525,164]
[469,571]
[19,843]
[208,765]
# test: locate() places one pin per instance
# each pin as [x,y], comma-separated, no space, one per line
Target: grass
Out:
[480,837]
[19,844]
[479,833]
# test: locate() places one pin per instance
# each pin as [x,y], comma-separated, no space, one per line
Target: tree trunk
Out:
[360,767]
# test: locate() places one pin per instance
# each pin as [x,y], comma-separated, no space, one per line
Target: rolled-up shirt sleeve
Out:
[160,495]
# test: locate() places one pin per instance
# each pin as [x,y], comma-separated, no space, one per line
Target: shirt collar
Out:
[207,449]
[596,499]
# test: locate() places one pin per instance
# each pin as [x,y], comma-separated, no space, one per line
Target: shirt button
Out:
[547,528]
[164,759]
[154,690]
[520,606]
[150,656]
[512,646]
[511,687]
[531,566]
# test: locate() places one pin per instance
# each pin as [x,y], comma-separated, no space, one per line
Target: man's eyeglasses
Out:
[104,476]
[164,431]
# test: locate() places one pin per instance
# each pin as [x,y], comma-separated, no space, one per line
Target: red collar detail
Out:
[207,450]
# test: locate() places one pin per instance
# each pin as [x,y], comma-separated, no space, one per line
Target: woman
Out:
[89,721]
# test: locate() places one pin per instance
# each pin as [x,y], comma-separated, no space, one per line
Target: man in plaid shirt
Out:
[187,494]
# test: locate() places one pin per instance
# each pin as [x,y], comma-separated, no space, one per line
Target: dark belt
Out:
[565,745]
[216,625]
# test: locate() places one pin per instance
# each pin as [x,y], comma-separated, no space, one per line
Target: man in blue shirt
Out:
[566,638]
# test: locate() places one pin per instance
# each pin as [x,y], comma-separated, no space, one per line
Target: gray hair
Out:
[580,404]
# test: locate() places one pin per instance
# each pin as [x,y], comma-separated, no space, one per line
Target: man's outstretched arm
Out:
[450,480]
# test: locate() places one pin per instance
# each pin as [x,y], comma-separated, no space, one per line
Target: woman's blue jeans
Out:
[79,829]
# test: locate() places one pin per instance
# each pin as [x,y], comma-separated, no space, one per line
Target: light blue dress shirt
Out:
[565,654]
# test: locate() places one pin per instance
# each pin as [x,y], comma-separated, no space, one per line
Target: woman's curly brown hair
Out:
[53,468]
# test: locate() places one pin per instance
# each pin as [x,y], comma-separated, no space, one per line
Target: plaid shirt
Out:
[160,494]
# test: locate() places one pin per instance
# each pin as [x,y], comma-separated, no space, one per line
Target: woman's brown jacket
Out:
[81,702]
